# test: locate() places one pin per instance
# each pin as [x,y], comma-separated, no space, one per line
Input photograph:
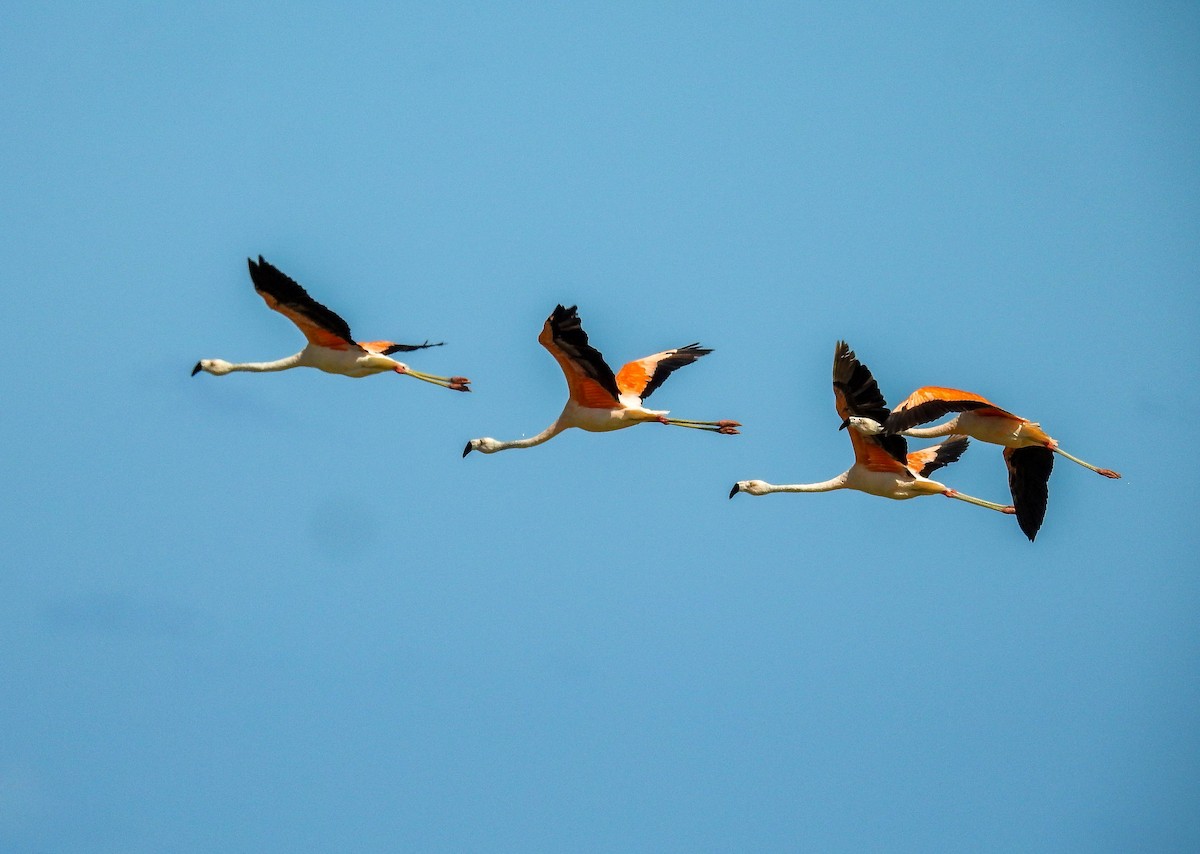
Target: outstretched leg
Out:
[1053,445]
[729,428]
[452,383]
[999,508]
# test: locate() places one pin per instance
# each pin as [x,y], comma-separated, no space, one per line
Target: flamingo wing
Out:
[640,378]
[387,348]
[589,378]
[930,403]
[855,392]
[1028,480]
[928,460]
[869,451]
[320,325]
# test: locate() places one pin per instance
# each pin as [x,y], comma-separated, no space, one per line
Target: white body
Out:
[1009,432]
[600,401]
[347,362]
[330,347]
[351,363]
[606,420]
[573,415]
[884,484]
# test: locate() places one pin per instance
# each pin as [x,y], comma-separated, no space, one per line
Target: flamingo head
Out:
[485,445]
[863,425]
[754,487]
[217,367]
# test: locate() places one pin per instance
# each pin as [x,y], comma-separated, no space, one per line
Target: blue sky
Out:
[280,613]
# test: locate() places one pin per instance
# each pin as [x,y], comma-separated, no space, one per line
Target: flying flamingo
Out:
[1028,449]
[330,346]
[599,400]
[882,464]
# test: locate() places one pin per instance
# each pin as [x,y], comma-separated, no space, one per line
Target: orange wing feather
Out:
[930,403]
[315,334]
[918,459]
[933,392]
[868,452]
[387,348]
[928,460]
[634,376]
[320,325]
[642,376]
[583,389]
[840,404]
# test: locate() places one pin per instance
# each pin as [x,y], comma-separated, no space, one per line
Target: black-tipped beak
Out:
[467,449]
[196,369]
[845,424]
[734,491]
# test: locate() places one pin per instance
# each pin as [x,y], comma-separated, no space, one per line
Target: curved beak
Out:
[467,449]
[734,491]
[845,423]
[196,369]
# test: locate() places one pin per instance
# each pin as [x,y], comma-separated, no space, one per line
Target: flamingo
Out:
[600,401]
[330,346]
[1028,450]
[882,464]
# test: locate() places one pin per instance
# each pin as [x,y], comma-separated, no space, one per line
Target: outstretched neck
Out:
[838,482]
[262,367]
[547,434]
[933,432]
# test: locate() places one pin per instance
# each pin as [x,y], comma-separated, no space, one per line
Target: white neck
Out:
[935,431]
[260,367]
[547,434]
[838,482]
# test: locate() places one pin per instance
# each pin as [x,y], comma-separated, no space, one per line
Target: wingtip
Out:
[1029,526]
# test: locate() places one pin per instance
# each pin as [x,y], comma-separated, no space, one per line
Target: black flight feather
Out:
[408,348]
[863,397]
[1028,478]
[569,337]
[931,410]
[682,356]
[268,279]
[947,452]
